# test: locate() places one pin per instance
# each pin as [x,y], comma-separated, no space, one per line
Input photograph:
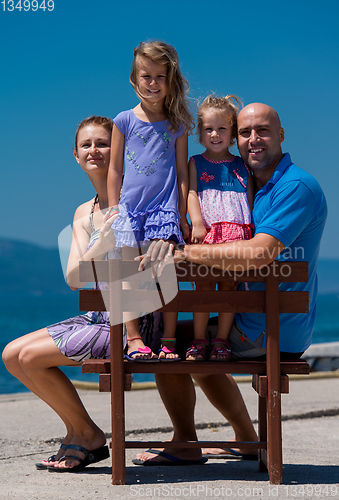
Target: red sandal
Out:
[223,351]
[197,347]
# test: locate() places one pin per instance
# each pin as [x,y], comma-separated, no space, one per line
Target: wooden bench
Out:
[270,377]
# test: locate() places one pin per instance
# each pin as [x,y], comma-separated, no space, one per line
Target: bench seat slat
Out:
[240,367]
[214,301]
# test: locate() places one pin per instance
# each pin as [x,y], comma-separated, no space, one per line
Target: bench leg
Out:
[118,411]
[274,441]
[262,431]
[274,437]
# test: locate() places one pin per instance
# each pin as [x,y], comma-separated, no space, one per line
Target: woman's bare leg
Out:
[39,360]
[10,358]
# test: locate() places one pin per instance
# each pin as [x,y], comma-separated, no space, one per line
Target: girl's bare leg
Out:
[134,340]
[225,322]
[200,322]
[170,324]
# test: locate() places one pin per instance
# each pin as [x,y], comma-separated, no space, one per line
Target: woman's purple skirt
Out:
[88,336]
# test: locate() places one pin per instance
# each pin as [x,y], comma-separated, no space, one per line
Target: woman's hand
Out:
[106,239]
[111,214]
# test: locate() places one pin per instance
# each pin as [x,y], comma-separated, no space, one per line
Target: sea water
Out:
[22,314]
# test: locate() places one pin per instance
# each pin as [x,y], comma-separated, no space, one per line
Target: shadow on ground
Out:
[294,474]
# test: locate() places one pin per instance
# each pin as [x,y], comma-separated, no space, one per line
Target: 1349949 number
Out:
[26,5]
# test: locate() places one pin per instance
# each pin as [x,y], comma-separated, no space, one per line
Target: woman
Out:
[34,358]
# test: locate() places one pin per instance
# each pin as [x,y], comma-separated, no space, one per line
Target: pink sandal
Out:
[141,350]
[197,347]
[223,351]
[165,350]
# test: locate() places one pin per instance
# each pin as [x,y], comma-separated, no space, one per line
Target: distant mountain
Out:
[25,267]
[28,267]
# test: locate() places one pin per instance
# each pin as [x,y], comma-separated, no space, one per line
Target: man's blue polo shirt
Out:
[292,208]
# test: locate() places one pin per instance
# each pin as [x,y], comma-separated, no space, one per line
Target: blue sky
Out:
[62,66]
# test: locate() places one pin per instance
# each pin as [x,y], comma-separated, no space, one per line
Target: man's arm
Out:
[236,255]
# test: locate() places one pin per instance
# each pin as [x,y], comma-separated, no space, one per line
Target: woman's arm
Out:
[181,154]
[80,241]
[116,167]
[194,210]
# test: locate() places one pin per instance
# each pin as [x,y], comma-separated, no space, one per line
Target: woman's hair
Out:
[102,121]
[229,105]
[175,106]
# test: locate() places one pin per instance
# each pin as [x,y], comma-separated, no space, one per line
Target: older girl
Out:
[152,141]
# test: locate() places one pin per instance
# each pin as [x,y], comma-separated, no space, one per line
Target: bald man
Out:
[289,214]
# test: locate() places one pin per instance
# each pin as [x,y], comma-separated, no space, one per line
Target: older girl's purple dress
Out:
[148,207]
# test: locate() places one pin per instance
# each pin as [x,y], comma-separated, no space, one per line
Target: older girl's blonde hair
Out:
[176,107]
[229,105]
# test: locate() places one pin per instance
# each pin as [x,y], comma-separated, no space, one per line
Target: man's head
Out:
[259,139]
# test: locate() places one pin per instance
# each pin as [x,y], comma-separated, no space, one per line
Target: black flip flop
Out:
[42,466]
[91,457]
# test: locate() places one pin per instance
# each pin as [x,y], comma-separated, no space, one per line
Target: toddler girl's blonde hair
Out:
[176,107]
[229,105]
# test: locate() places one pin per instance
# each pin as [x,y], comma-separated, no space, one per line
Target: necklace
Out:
[96,200]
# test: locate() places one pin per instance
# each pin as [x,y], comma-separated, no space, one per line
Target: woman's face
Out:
[93,148]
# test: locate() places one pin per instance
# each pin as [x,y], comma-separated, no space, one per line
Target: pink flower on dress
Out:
[206,177]
[238,176]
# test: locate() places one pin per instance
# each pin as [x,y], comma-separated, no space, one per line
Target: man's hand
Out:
[158,253]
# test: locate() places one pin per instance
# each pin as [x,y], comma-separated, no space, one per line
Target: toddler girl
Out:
[220,189]
[152,141]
